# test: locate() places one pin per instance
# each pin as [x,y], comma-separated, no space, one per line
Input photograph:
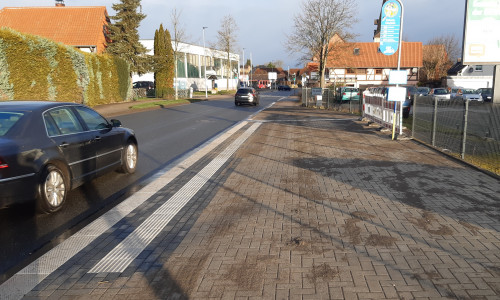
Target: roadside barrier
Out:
[378,109]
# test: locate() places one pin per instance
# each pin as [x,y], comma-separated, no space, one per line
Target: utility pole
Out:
[243,63]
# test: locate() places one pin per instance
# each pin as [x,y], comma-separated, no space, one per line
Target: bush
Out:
[35,68]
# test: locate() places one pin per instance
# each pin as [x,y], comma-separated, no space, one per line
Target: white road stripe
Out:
[124,253]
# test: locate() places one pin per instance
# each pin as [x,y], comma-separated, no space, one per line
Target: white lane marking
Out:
[26,279]
[118,259]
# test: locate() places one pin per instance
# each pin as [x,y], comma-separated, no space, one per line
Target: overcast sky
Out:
[263,24]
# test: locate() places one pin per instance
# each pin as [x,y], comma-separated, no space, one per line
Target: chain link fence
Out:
[330,99]
[469,130]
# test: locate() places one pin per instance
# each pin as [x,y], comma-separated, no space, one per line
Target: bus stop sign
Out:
[390,28]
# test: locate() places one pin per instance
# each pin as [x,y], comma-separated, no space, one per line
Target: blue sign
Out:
[390,28]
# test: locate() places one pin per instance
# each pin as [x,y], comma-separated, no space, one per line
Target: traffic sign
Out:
[390,29]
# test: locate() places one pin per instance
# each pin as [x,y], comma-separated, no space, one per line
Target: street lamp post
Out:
[243,64]
[205,64]
[251,67]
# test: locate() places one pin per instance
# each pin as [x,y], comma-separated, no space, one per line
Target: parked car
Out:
[486,94]
[148,85]
[440,94]
[423,91]
[455,91]
[411,90]
[246,95]
[407,104]
[48,148]
[349,93]
[469,94]
[284,88]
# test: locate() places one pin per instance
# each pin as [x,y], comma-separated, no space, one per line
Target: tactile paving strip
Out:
[124,253]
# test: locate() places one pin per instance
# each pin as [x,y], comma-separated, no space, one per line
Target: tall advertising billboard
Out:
[482,33]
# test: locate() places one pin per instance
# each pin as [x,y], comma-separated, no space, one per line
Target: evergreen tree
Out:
[164,63]
[125,37]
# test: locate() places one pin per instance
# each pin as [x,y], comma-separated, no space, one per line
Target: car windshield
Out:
[7,120]
[468,91]
[486,91]
[440,92]
[412,89]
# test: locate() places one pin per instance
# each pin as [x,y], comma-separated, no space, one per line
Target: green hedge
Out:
[35,68]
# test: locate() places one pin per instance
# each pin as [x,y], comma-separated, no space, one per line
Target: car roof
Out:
[31,105]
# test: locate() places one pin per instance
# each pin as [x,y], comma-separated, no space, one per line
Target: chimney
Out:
[60,3]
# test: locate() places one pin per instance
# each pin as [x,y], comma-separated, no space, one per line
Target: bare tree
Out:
[314,28]
[451,45]
[226,40]
[435,62]
[439,55]
[179,36]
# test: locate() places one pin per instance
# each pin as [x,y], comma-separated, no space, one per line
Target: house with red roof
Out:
[83,27]
[362,64]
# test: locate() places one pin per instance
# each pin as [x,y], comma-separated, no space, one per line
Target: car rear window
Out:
[469,92]
[7,120]
[244,91]
[351,89]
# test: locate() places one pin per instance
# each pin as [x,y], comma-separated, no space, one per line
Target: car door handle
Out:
[64,145]
[97,139]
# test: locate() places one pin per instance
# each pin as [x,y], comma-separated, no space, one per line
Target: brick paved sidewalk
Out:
[317,205]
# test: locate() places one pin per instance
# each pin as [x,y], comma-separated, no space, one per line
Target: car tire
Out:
[52,189]
[129,158]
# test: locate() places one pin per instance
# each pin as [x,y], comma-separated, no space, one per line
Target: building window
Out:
[378,71]
[350,71]
[181,71]
[193,70]
[356,51]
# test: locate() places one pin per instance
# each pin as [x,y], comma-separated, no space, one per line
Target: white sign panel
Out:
[272,76]
[482,32]
[396,94]
[398,77]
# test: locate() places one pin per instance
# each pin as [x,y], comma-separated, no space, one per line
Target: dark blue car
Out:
[48,148]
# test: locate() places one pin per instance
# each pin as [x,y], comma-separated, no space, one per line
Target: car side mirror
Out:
[116,123]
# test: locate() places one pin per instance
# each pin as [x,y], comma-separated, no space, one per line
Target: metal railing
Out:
[469,130]
[377,108]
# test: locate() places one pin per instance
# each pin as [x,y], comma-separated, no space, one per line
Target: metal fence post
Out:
[434,123]
[327,98]
[414,116]
[464,136]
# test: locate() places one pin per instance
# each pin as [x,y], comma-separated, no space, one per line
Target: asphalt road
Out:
[164,135]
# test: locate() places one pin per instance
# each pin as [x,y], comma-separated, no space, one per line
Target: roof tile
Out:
[74,25]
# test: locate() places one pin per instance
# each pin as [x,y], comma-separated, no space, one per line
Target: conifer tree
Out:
[164,63]
[125,37]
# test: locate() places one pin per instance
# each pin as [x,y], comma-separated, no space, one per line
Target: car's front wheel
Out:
[129,158]
[52,189]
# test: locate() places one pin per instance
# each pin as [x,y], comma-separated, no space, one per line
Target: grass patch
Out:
[226,92]
[163,103]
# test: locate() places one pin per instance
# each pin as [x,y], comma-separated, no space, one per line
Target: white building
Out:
[191,67]
[470,76]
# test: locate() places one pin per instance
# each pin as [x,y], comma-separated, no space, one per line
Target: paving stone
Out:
[314,205]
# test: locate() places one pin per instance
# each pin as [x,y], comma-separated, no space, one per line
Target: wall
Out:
[470,82]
